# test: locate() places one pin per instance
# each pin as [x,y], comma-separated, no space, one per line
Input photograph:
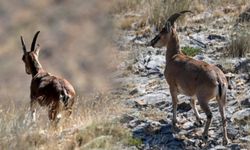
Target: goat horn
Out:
[175,16]
[34,41]
[23,45]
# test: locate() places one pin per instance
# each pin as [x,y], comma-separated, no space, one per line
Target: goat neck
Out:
[173,46]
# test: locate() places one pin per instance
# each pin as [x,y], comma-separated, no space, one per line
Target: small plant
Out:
[134,141]
[239,45]
[191,51]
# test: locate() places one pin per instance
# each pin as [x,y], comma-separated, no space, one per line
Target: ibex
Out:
[47,90]
[191,77]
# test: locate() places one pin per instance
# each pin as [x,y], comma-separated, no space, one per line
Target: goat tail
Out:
[64,97]
[222,89]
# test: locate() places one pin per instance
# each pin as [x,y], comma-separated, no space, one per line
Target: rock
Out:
[151,99]
[245,16]
[154,64]
[134,91]
[235,147]
[139,90]
[199,39]
[214,36]
[243,66]
[184,107]
[126,118]
[242,117]
[134,123]
[140,102]
[204,58]
[232,132]
[245,139]
[219,147]
[245,102]
[187,125]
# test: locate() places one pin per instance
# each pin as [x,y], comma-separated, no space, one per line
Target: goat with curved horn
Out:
[33,44]
[23,45]
[46,89]
[196,79]
[175,16]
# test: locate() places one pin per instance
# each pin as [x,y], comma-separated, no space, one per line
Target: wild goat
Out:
[47,90]
[191,77]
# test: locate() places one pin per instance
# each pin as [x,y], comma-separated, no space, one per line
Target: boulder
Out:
[242,117]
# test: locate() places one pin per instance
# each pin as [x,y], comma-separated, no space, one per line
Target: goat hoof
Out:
[175,128]
[198,123]
[205,138]
[225,141]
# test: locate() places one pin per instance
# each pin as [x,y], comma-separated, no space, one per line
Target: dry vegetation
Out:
[76,43]
[155,12]
[91,125]
[239,45]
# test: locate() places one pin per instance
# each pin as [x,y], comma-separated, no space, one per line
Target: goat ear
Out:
[37,50]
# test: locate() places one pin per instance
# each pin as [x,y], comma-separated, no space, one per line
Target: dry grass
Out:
[155,12]
[158,10]
[105,135]
[126,23]
[123,6]
[239,45]
[92,125]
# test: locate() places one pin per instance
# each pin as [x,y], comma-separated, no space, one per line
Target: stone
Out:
[187,125]
[151,99]
[214,37]
[133,92]
[232,132]
[242,117]
[235,147]
[243,66]
[245,16]
[126,118]
[219,147]
[134,123]
[184,107]
[245,102]
[204,58]
[245,139]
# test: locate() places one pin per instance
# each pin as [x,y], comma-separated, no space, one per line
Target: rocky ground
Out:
[146,92]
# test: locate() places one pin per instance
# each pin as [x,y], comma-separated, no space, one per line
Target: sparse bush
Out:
[105,135]
[159,10]
[126,23]
[239,45]
[191,51]
[121,6]
[134,141]
[155,11]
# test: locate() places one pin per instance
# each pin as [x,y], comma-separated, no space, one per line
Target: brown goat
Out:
[191,77]
[47,90]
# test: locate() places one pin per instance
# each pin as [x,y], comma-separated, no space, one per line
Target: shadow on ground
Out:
[157,136]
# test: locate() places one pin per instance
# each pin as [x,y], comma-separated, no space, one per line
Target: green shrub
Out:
[191,51]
